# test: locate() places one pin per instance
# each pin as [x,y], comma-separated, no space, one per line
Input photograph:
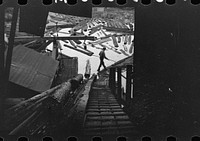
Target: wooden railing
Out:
[115,84]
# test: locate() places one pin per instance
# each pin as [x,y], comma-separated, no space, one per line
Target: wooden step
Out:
[120,123]
[102,100]
[104,110]
[122,117]
[109,117]
[105,113]
[103,104]
[100,88]
[109,132]
[103,107]
[99,129]
[108,123]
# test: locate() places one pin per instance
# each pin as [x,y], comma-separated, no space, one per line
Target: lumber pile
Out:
[41,113]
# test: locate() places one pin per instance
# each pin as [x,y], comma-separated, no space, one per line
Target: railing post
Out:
[112,79]
[10,47]
[119,82]
[128,83]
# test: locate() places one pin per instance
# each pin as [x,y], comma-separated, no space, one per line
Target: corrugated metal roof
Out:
[31,69]
[124,62]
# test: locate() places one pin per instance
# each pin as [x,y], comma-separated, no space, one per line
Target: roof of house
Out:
[123,62]
[31,69]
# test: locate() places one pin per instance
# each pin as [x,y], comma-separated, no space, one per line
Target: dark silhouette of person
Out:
[87,69]
[102,56]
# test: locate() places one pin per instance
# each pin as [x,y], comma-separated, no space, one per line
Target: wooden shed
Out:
[68,68]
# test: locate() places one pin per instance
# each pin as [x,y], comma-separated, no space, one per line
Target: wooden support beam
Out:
[89,53]
[10,46]
[44,46]
[55,50]
[49,27]
[57,38]
[2,49]
[128,83]
[132,88]
[124,31]
[119,83]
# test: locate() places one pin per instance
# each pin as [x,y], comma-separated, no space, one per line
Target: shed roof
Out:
[123,62]
[31,69]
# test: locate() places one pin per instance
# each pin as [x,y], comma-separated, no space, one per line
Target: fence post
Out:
[128,83]
[112,79]
[119,82]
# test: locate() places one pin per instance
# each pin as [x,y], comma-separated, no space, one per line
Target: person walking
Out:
[87,69]
[102,56]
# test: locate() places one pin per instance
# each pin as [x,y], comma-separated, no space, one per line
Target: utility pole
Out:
[10,48]
[2,55]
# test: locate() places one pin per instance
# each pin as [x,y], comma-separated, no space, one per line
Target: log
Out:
[78,78]
[104,33]
[60,95]
[95,29]
[48,106]
[115,41]
[80,47]
[124,52]
[34,120]
[75,115]
[119,39]
[101,41]
[72,43]
[17,129]
[80,50]
[125,39]
[129,39]
[131,49]
[16,119]
[22,110]
[31,100]
[13,101]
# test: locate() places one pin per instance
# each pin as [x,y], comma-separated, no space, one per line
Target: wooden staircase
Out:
[104,115]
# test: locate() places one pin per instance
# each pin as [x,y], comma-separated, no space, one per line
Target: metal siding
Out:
[70,68]
[31,69]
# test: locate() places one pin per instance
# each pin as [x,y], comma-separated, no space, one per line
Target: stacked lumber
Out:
[40,114]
